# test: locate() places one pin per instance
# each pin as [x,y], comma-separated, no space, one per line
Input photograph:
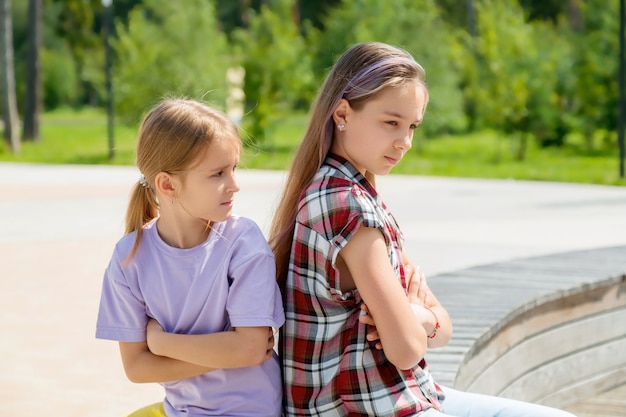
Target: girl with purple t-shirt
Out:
[189,292]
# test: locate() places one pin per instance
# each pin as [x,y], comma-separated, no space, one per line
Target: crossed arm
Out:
[170,356]
[401,322]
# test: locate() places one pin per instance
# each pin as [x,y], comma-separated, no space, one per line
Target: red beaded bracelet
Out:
[437,326]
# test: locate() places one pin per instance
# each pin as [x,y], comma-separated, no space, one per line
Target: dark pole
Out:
[108,23]
[622,100]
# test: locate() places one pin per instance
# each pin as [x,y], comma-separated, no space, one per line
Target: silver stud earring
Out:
[341,127]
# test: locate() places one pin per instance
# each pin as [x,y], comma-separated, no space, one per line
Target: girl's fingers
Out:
[415,283]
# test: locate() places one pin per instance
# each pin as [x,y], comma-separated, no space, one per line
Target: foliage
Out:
[545,10]
[516,75]
[168,50]
[549,107]
[77,24]
[544,74]
[595,91]
[368,20]
[80,137]
[58,79]
[503,42]
[277,67]
[66,50]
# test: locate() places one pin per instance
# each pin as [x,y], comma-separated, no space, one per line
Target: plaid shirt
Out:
[329,367]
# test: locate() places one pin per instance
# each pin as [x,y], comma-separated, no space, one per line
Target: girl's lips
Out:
[392,160]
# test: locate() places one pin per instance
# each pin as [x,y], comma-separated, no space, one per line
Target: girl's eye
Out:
[413,127]
[221,173]
[392,123]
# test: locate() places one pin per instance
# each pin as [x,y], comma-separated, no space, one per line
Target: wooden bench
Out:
[548,329]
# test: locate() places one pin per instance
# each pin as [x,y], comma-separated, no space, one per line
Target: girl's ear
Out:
[341,112]
[165,185]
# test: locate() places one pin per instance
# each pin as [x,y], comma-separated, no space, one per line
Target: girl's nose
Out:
[406,141]
[234,184]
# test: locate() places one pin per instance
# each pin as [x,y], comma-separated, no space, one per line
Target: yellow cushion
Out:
[153,410]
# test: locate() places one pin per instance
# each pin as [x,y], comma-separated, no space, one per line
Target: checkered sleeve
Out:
[335,211]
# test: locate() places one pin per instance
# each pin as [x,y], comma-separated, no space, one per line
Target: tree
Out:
[277,65]
[32,105]
[168,50]
[595,93]
[417,27]
[77,26]
[315,10]
[9,102]
[233,14]
[517,75]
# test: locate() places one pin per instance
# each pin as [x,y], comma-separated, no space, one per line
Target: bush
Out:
[413,25]
[59,78]
[168,50]
[277,66]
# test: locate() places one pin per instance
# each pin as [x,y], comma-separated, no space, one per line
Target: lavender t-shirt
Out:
[229,280]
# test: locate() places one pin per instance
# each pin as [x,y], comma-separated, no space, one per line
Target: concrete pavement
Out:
[58,225]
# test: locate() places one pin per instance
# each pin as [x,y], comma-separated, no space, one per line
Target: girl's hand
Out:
[269,351]
[417,294]
[417,288]
[420,298]
[372,332]
[270,344]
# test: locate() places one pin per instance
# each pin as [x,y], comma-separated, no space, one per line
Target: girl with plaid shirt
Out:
[359,316]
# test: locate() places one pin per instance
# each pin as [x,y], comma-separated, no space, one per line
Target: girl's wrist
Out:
[428,318]
[436,326]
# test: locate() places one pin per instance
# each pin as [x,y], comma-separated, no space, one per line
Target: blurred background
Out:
[524,89]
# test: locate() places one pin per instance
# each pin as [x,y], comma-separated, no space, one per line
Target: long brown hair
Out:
[361,73]
[171,138]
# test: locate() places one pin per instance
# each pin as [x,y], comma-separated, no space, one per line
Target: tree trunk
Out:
[9,102]
[32,105]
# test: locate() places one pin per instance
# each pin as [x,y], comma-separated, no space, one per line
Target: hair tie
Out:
[143,182]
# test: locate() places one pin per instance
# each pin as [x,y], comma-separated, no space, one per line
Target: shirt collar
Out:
[346,168]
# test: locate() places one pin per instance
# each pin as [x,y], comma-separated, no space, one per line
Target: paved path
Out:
[58,225]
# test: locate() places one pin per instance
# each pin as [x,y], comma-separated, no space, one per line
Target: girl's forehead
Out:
[223,146]
[404,97]
[223,143]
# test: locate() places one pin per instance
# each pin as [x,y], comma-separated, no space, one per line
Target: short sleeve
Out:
[254,297]
[353,207]
[122,313]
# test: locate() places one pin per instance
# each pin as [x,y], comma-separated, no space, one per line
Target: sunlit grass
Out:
[76,137]
[489,155]
[81,137]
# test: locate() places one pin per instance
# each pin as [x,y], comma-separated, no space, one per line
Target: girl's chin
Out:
[383,171]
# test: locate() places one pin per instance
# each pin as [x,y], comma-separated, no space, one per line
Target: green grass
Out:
[71,137]
[76,137]
[489,155]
